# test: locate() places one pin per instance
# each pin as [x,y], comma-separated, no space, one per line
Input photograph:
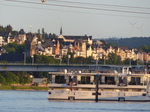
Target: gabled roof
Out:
[48,43]
[40,47]
[4,34]
[30,37]
[21,31]
[77,37]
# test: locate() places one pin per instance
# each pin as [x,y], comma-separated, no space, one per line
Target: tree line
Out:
[134,42]
[7,78]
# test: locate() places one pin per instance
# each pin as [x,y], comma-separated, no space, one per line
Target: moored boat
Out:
[114,85]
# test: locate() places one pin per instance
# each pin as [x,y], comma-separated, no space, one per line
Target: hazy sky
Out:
[100,18]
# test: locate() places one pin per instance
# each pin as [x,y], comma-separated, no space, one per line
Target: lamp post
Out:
[97,60]
[24,58]
[104,59]
[68,58]
[32,59]
[60,60]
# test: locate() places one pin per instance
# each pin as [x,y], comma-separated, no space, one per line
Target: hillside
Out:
[134,42]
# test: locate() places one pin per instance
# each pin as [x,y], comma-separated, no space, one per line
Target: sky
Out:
[96,18]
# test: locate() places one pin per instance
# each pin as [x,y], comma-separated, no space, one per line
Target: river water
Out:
[36,101]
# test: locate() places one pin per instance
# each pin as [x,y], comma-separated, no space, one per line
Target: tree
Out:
[2,28]
[38,31]
[145,48]
[24,77]
[52,36]
[113,59]
[43,32]
[10,77]
[89,60]
[2,79]
[79,60]
[42,59]
[9,28]
[14,48]
[13,33]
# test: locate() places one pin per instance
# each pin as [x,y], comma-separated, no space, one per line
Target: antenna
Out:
[132,28]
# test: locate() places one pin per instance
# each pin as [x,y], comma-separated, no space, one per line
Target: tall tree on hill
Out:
[145,48]
[2,28]
[9,28]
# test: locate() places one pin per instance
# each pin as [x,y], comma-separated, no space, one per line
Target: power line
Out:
[120,6]
[79,7]
[72,11]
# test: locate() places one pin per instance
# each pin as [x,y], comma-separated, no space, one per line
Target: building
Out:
[30,44]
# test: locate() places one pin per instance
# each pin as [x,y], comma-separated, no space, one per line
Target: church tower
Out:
[61,31]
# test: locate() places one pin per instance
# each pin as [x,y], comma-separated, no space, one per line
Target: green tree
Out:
[10,77]
[2,79]
[2,28]
[145,48]
[24,77]
[80,60]
[13,33]
[42,59]
[9,28]
[89,60]
[14,48]
[113,59]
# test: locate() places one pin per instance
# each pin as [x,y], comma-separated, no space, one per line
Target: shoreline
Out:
[23,88]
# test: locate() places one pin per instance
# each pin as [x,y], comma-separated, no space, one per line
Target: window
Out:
[60,79]
[85,80]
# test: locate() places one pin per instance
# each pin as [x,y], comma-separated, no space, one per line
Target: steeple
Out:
[61,31]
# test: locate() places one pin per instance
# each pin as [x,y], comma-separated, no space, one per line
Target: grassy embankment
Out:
[27,88]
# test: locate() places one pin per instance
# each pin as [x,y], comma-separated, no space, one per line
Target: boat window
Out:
[49,93]
[60,79]
[122,81]
[109,80]
[85,80]
[73,80]
[144,94]
[135,81]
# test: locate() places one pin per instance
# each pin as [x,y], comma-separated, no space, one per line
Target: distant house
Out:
[39,81]
[30,44]
[4,38]
[20,38]
[74,44]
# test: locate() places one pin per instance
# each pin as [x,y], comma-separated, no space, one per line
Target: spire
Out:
[61,31]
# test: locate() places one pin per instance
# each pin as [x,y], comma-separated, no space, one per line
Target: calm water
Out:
[36,101]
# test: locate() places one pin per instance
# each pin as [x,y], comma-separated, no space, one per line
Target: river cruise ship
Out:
[123,84]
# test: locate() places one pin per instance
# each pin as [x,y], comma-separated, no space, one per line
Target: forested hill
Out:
[134,42]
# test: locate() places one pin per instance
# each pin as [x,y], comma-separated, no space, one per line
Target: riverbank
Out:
[25,88]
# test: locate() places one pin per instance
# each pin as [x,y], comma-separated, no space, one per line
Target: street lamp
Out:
[68,58]
[32,59]
[24,58]
[104,59]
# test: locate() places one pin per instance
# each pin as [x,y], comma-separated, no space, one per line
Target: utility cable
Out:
[120,6]
[79,7]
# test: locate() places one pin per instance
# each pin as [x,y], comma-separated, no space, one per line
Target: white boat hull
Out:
[103,95]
